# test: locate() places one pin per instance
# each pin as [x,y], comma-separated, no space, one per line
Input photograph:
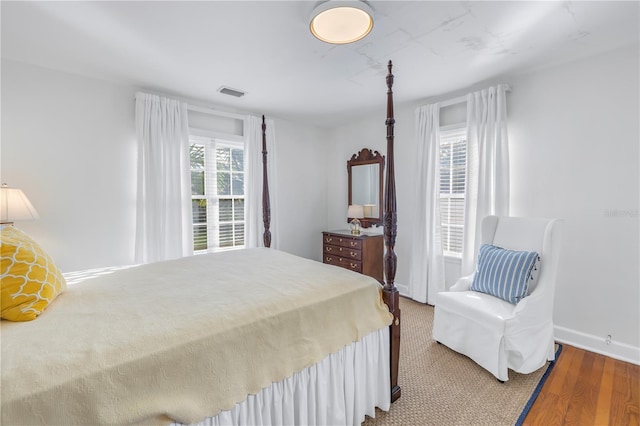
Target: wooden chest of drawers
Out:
[360,253]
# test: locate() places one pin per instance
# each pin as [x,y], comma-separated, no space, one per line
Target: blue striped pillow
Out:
[504,273]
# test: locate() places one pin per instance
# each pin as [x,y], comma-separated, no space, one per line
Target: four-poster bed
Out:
[188,339]
[266,204]
[390,293]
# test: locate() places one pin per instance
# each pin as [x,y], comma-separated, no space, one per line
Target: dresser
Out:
[360,253]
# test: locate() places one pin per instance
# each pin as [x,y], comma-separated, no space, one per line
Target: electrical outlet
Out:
[608,339]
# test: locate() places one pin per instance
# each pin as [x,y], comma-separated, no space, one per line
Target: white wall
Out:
[574,142]
[69,143]
[302,188]
[575,146]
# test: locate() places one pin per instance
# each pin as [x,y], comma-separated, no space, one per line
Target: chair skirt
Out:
[489,331]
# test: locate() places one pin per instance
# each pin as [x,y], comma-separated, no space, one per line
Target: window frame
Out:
[213,223]
[452,131]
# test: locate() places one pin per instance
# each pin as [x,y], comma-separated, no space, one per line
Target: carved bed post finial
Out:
[266,206]
[390,292]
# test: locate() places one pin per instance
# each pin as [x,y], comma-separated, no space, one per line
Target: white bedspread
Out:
[181,339]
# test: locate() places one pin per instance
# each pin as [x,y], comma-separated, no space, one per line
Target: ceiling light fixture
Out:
[341,22]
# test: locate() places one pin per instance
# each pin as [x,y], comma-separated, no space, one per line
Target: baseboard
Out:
[403,289]
[588,342]
[591,343]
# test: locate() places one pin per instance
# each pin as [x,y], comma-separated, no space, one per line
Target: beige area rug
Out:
[442,387]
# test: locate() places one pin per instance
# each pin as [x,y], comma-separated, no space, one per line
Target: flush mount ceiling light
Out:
[341,22]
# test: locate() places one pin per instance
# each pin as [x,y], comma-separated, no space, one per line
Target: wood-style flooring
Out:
[585,388]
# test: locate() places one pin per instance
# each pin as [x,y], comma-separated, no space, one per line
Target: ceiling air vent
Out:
[232,92]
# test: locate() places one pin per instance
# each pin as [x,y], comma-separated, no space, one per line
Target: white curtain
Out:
[426,267]
[487,190]
[163,216]
[254,225]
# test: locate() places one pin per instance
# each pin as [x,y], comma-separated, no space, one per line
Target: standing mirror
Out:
[365,185]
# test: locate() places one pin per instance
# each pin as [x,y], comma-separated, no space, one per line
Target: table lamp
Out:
[15,206]
[355,212]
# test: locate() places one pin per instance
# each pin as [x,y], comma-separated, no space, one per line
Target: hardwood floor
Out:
[585,388]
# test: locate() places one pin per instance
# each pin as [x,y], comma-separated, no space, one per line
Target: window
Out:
[217,194]
[453,162]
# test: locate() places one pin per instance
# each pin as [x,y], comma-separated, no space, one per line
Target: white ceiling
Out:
[190,49]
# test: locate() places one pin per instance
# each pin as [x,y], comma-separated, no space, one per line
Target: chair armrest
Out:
[463,283]
[537,303]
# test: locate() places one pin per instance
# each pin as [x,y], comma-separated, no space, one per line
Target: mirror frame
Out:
[363,157]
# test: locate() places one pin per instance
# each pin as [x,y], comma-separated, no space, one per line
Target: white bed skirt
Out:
[339,390]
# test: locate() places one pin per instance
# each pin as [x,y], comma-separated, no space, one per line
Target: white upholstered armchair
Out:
[496,333]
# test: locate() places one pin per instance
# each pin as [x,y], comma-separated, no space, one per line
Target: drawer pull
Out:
[353,265]
[340,259]
[354,243]
[328,259]
[340,249]
[328,239]
[327,248]
[354,254]
[340,239]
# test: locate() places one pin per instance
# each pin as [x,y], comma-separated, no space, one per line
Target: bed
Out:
[193,341]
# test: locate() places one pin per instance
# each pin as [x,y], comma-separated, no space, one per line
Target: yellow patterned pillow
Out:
[29,278]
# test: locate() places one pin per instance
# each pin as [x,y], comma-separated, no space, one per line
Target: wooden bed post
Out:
[266,206]
[390,293]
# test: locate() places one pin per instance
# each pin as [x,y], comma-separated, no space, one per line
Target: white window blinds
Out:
[453,161]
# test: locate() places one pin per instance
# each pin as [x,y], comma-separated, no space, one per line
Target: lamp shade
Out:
[355,211]
[15,206]
[341,22]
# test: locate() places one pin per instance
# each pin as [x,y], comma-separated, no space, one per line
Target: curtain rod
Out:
[205,110]
[463,98]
